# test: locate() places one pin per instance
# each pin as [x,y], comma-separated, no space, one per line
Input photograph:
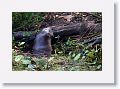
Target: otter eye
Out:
[47,30]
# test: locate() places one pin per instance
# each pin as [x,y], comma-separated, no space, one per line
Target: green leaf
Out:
[99,66]
[51,58]
[31,66]
[70,53]
[77,57]
[83,57]
[26,61]
[86,51]
[91,55]
[41,62]
[60,52]
[73,55]
[22,43]
[19,57]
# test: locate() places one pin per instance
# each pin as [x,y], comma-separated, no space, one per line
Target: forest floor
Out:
[69,55]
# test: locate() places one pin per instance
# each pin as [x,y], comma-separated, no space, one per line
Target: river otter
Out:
[42,43]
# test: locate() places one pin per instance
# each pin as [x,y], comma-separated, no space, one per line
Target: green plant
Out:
[25,20]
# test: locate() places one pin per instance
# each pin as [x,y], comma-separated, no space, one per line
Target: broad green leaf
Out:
[51,58]
[70,53]
[41,62]
[77,57]
[91,55]
[18,58]
[60,52]
[73,55]
[86,51]
[83,57]
[99,66]
[31,66]
[22,43]
[26,61]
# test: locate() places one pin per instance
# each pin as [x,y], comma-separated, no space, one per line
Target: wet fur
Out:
[42,44]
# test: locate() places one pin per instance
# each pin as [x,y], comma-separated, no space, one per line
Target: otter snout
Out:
[49,31]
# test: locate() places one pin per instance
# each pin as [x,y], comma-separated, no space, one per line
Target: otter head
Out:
[48,31]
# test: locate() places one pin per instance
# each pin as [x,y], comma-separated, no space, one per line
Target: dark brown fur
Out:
[42,44]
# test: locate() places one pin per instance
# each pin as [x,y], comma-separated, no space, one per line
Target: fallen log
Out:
[75,29]
[22,34]
[62,31]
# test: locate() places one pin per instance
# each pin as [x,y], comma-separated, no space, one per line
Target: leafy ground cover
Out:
[68,56]
[71,55]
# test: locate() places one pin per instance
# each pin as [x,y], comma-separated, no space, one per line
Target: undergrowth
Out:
[67,56]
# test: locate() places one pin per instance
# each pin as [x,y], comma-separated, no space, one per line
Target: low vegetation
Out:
[69,55]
